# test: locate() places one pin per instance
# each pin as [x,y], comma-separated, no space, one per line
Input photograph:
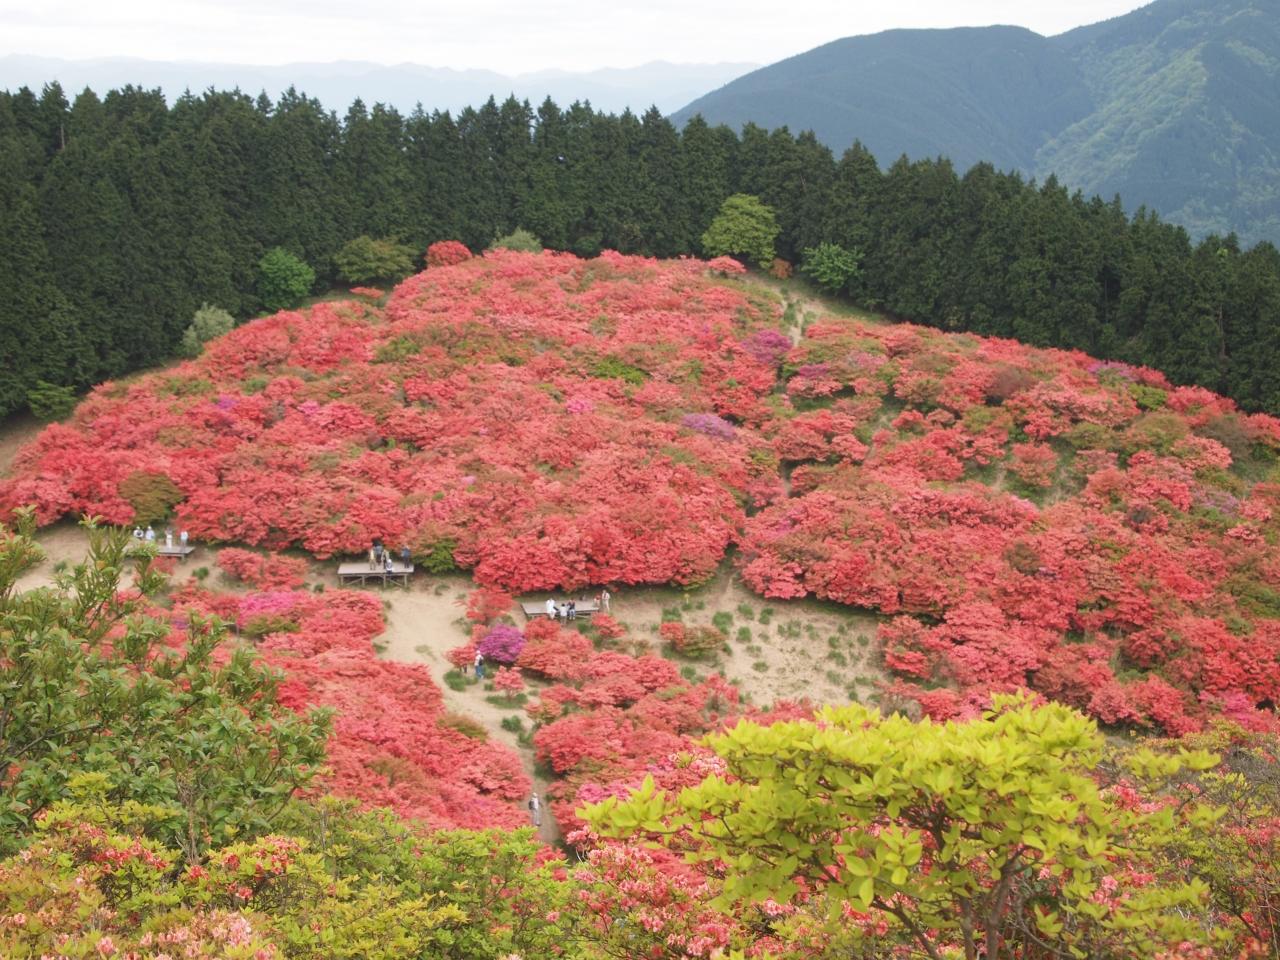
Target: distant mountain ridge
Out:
[1175,106]
[336,85]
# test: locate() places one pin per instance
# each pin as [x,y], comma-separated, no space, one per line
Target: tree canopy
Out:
[744,227]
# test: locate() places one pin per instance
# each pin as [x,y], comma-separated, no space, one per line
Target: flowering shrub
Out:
[502,643]
[263,571]
[508,681]
[446,253]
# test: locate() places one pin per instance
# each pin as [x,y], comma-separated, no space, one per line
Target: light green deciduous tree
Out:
[744,227]
[964,838]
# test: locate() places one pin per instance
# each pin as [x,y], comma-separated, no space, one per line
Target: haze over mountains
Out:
[336,85]
[1175,106]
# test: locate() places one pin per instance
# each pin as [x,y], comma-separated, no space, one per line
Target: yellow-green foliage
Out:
[340,885]
[971,835]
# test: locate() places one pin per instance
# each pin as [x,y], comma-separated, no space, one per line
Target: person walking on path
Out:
[535,810]
[479,665]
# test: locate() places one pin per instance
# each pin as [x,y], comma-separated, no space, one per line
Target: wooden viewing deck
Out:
[533,609]
[361,571]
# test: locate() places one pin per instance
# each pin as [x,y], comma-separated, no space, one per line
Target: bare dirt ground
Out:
[776,649]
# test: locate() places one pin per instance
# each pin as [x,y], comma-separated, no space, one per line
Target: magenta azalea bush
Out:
[502,643]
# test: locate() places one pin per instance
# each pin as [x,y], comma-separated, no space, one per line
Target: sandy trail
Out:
[423,624]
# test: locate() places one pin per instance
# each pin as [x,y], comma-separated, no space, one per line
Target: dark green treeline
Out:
[120,215]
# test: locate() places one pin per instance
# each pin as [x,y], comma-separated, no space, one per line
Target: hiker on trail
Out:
[479,665]
[551,608]
[535,810]
[604,599]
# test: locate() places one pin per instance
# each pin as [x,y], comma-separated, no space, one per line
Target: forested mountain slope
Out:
[1175,106]
[973,94]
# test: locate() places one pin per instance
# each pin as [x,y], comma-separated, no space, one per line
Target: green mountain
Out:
[1175,106]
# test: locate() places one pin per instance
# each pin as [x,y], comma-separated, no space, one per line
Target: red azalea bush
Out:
[446,253]
[269,571]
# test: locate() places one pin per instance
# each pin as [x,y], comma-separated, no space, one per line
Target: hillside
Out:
[1175,106]
[996,518]
[1018,517]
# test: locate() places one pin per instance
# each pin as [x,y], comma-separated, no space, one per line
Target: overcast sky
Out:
[509,36]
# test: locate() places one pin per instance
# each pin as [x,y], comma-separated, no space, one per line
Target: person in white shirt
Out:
[551,608]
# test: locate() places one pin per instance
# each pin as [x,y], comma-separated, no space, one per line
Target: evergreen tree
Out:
[705,174]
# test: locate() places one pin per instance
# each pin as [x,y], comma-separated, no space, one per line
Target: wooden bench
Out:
[361,571]
[162,549]
[535,609]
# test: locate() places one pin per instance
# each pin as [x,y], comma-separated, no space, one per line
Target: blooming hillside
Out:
[1020,516]
[545,420]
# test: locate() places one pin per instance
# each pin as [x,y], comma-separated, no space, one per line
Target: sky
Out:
[508,36]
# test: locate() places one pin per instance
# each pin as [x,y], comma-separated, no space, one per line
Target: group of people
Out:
[149,535]
[569,609]
[380,557]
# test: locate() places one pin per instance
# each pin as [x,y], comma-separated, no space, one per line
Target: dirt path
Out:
[423,624]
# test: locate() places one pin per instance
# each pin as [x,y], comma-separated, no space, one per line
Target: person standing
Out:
[150,535]
[535,810]
[571,610]
[551,608]
[479,665]
[406,557]
[168,537]
[604,599]
[183,538]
